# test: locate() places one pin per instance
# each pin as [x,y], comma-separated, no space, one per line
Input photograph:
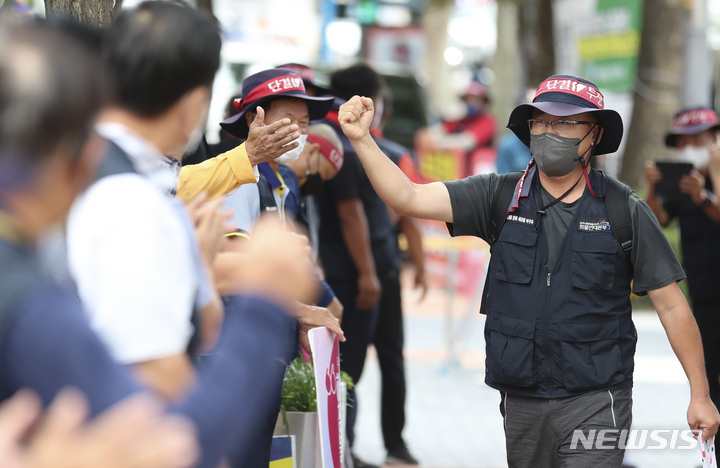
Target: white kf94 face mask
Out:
[698,156]
[294,153]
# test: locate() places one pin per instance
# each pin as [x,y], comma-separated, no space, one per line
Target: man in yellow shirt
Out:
[222,174]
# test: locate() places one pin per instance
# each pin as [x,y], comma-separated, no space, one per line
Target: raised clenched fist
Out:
[355,117]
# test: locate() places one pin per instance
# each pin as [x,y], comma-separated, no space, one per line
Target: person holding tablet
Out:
[694,135]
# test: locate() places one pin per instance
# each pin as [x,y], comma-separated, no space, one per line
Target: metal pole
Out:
[698,61]
[451,359]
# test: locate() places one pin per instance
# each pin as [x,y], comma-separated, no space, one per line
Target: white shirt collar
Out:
[146,157]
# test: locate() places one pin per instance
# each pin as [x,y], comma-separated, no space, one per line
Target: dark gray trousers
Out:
[573,432]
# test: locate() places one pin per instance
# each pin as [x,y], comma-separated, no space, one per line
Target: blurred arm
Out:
[430,201]
[169,378]
[684,337]
[413,233]
[356,235]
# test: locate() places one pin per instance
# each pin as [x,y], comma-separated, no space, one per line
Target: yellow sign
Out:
[615,46]
[440,165]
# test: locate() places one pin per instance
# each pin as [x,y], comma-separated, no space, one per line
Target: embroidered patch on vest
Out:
[592,225]
[520,219]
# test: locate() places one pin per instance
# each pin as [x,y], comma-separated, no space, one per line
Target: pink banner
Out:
[326,359]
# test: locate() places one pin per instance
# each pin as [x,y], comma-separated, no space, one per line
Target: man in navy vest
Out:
[560,341]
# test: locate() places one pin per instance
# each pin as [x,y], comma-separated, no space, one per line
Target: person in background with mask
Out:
[694,135]
[321,160]
[477,125]
[269,97]
[560,341]
[475,130]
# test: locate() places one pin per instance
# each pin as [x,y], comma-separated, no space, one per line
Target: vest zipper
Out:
[547,337]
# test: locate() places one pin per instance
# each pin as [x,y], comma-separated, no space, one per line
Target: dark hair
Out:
[356,80]
[51,89]
[89,36]
[158,52]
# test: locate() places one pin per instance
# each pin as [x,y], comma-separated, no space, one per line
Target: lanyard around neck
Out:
[542,211]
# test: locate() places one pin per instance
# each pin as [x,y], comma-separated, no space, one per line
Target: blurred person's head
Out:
[51,89]
[694,131]
[308,76]
[360,80]
[321,159]
[163,58]
[476,98]
[281,94]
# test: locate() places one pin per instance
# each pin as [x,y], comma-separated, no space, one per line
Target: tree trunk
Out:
[657,87]
[96,13]
[206,5]
[537,40]
[435,22]
[506,62]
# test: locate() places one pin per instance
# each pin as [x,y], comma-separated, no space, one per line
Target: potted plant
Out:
[298,411]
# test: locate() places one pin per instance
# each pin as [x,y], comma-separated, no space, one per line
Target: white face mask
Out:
[294,153]
[698,156]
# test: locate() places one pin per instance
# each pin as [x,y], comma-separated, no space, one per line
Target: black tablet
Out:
[668,187]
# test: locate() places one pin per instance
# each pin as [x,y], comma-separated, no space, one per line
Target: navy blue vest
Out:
[19,274]
[563,332]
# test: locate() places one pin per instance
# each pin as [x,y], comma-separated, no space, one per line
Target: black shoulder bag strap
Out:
[498,215]
[499,209]
[617,199]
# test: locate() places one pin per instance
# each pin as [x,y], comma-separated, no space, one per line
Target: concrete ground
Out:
[453,419]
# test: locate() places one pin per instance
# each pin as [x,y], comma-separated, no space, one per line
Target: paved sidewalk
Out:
[453,419]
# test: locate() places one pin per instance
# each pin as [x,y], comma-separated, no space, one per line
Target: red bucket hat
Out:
[690,122]
[564,95]
[270,84]
[308,76]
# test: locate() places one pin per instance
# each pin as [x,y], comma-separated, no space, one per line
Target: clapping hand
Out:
[268,142]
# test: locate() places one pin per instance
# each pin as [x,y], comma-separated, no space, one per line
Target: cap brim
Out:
[318,107]
[671,138]
[609,119]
